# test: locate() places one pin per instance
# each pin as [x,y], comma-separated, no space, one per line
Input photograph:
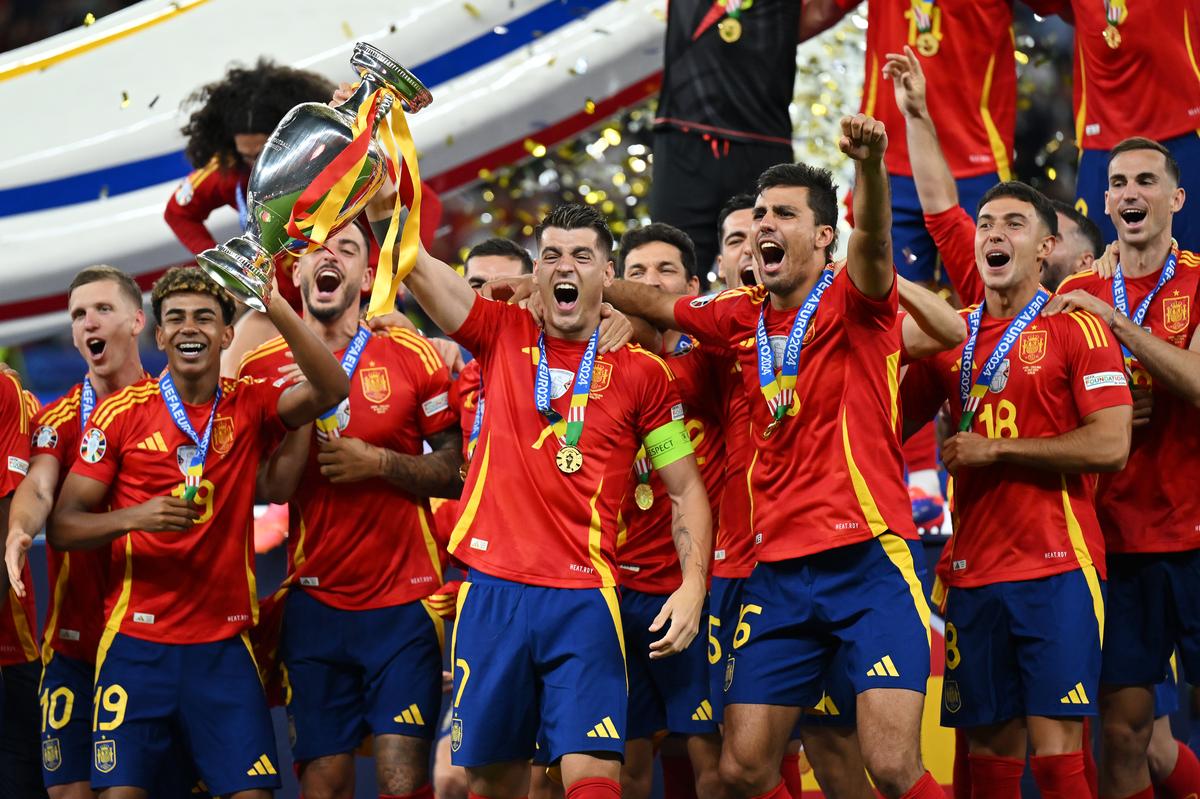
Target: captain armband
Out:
[667,444]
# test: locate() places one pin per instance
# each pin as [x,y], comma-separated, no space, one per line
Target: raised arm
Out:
[74,525]
[691,529]
[936,189]
[869,253]
[31,505]
[1100,444]
[326,382]
[646,302]
[931,325]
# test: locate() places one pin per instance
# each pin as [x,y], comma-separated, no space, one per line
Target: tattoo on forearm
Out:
[683,543]
[432,475]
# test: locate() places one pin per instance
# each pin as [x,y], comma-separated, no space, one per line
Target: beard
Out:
[330,312]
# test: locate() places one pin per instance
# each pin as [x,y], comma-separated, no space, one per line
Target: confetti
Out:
[589,106]
[124,99]
[89,19]
[472,10]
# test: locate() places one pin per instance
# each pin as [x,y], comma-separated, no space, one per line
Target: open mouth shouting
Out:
[96,347]
[1133,217]
[996,258]
[566,295]
[771,252]
[326,283]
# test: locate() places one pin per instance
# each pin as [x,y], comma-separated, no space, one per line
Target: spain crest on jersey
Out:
[729,672]
[51,754]
[951,697]
[601,376]
[1032,346]
[456,734]
[222,434]
[105,756]
[1176,313]
[375,384]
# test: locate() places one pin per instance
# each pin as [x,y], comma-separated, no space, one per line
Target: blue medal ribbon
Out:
[87,402]
[579,395]
[1121,298]
[971,395]
[778,392]
[195,469]
[327,423]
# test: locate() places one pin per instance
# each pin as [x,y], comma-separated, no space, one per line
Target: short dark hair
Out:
[658,231]
[1025,193]
[1142,143]
[189,280]
[506,248]
[1087,228]
[573,216]
[738,202]
[822,192]
[95,274]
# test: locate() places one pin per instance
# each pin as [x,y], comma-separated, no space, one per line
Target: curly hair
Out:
[189,280]
[246,100]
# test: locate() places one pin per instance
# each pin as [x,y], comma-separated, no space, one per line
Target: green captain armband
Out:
[668,443]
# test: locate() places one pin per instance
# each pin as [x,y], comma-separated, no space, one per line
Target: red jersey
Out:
[733,546]
[75,618]
[399,396]
[971,73]
[523,519]
[953,232]
[465,399]
[1013,522]
[197,586]
[1159,43]
[831,474]
[18,617]
[1152,505]
[645,549]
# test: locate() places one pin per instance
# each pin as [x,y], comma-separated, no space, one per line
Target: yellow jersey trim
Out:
[595,537]
[1075,533]
[472,506]
[862,491]
[113,626]
[614,609]
[999,150]
[900,555]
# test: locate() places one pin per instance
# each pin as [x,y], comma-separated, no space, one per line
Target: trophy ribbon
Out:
[392,270]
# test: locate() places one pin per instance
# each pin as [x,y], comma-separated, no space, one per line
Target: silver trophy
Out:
[302,145]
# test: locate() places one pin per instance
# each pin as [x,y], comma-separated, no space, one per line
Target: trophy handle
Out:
[376,66]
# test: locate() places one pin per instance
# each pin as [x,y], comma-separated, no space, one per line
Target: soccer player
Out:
[672,694]
[105,307]
[1025,618]
[1158,42]
[18,646]
[1150,517]
[538,616]
[170,458]
[735,258]
[381,672]
[833,529]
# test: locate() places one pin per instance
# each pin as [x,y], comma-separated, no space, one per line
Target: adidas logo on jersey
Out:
[605,729]
[154,443]
[411,715]
[1077,696]
[884,668]
[703,713]
[261,768]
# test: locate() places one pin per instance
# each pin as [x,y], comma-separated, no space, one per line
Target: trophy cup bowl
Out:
[307,139]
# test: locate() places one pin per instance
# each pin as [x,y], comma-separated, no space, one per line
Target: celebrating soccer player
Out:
[381,673]
[1150,513]
[105,307]
[1025,611]
[538,616]
[169,458]
[833,527]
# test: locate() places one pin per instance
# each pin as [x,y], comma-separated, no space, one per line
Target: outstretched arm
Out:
[31,505]
[637,299]
[931,325]
[691,529]
[869,254]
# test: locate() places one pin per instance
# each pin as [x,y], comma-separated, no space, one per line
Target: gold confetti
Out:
[89,19]
[1052,173]
[449,140]
[472,10]
[124,99]
[347,30]
[589,106]
[1021,57]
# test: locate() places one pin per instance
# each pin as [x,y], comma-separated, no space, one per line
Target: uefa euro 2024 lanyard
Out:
[1121,298]
[195,468]
[971,395]
[569,457]
[327,423]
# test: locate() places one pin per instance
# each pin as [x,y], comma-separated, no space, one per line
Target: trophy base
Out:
[243,269]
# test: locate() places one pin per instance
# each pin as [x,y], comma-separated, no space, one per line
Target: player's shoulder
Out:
[411,347]
[63,409]
[1085,280]
[124,401]
[750,295]
[263,354]
[1188,259]
[1082,326]
[644,362]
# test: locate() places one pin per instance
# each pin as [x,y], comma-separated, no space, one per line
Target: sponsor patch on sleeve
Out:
[677,412]
[1104,380]
[18,465]
[93,446]
[436,404]
[45,437]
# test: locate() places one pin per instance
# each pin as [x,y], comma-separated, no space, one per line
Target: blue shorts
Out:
[1093,182]
[1153,608]
[913,250]
[66,696]
[1023,648]
[525,657]
[664,694]
[838,705]
[724,601]
[1166,693]
[351,673]
[209,695]
[863,600]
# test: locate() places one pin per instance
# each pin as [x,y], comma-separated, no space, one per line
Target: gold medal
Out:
[770,429]
[927,44]
[643,495]
[569,459]
[730,29]
[1112,36]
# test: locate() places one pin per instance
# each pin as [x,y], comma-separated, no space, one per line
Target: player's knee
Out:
[327,783]
[894,770]
[1125,738]
[450,783]
[743,775]
[636,783]
[709,784]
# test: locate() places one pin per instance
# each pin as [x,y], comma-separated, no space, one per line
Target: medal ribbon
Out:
[778,392]
[923,14]
[87,402]
[579,396]
[1121,298]
[642,465]
[195,469]
[719,8]
[685,344]
[327,423]
[476,425]
[971,395]
[1115,11]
